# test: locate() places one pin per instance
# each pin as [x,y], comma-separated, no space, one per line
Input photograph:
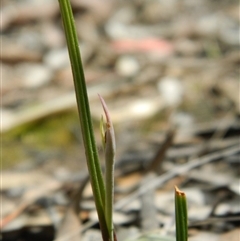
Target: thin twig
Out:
[178,170]
[155,163]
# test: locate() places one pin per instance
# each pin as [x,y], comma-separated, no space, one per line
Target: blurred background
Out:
[157,63]
[160,65]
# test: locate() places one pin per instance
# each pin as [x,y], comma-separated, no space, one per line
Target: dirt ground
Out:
[169,73]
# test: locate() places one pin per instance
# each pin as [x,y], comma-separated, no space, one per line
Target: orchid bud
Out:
[109,150]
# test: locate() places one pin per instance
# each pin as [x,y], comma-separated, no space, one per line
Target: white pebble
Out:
[35,75]
[171,91]
[127,66]
[57,58]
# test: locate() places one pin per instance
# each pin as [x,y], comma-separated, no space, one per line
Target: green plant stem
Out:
[181,215]
[84,114]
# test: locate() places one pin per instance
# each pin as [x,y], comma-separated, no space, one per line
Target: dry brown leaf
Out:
[233,235]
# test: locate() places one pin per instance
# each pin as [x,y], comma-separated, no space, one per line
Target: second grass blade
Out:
[181,215]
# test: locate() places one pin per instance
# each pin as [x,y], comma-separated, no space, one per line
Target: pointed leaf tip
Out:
[105,109]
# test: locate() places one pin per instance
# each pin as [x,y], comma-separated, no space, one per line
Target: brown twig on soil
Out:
[158,158]
[177,171]
[213,220]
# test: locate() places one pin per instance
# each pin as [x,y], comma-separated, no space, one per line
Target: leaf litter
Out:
[140,54]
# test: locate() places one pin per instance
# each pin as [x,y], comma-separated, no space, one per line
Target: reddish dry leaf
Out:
[159,46]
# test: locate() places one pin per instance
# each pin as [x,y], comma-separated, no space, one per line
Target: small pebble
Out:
[127,66]
[34,75]
[57,58]
[171,90]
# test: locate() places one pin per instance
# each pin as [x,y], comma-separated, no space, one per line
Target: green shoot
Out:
[94,168]
[181,215]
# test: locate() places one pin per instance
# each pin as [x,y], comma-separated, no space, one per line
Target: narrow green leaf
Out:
[181,215]
[94,168]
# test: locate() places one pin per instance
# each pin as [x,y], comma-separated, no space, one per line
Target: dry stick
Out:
[213,220]
[156,162]
[148,212]
[218,134]
[175,172]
